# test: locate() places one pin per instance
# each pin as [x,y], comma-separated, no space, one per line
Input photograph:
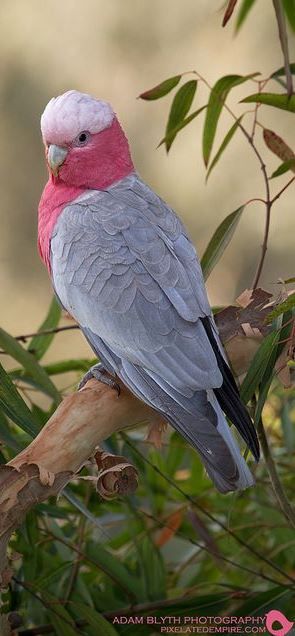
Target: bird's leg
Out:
[99,373]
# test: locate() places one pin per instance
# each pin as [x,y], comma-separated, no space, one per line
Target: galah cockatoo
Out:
[122,264]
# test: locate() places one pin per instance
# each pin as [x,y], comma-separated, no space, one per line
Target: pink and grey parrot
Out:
[122,264]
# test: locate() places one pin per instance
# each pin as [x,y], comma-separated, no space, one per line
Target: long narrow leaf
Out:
[217,98]
[283,168]
[27,360]
[14,406]
[39,344]
[289,8]
[169,138]
[223,146]
[245,7]
[161,89]
[220,241]
[97,625]
[259,365]
[276,100]
[112,566]
[179,108]
[284,306]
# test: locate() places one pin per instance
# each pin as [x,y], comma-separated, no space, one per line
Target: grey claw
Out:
[100,374]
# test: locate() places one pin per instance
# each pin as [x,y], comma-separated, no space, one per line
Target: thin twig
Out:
[281,21]
[181,535]
[208,514]
[280,494]
[277,196]
[46,332]
[80,540]
[266,183]
[29,588]
[264,244]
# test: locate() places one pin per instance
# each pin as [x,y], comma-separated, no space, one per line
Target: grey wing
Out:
[124,267]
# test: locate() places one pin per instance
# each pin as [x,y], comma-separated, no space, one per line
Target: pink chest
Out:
[54,198]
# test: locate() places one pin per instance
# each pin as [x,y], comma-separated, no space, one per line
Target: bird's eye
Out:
[82,138]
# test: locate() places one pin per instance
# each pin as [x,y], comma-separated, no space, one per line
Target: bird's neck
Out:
[55,196]
[107,161]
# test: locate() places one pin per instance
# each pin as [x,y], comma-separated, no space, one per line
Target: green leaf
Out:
[223,146]
[168,139]
[14,406]
[6,437]
[114,568]
[179,108]
[161,89]
[289,8]
[61,625]
[30,364]
[217,98]
[284,167]
[98,625]
[263,601]
[277,75]
[288,426]
[64,366]
[272,99]
[219,241]
[39,344]
[154,570]
[243,12]
[286,305]
[259,365]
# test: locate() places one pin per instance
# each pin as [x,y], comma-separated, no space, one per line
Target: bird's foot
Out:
[99,373]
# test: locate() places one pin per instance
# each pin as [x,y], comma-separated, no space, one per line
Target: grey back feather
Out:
[124,267]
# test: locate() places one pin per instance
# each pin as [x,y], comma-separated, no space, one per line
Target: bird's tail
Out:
[245,478]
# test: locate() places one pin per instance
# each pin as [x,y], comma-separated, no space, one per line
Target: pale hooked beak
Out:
[56,157]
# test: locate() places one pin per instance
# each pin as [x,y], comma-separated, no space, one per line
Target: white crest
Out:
[69,114]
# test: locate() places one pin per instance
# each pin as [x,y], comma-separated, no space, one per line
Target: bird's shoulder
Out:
[128,230]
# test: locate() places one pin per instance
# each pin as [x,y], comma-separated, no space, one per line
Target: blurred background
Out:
[116,50]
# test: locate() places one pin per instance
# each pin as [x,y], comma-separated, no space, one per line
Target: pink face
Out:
[85,144]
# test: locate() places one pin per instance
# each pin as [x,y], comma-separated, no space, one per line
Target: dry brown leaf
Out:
[245,298]
[155,432]
[250,332]
[173,523]
[278,146]
[252,310]
[229,11]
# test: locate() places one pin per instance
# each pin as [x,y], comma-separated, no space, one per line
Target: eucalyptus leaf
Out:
[246,6]
[179,108]
[14,406]
[161,89]
[277,100]
[217,98]
[29,363]
[97,625]
[219,241]
[223,146]
[39,344]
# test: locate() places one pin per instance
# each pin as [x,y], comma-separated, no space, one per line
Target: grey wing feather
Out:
[124,267]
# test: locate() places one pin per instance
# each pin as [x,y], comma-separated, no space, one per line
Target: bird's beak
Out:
[56,156]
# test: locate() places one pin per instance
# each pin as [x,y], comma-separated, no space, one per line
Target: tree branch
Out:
[86,418]
[80,423]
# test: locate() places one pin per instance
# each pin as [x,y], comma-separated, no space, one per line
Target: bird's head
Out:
[84,143]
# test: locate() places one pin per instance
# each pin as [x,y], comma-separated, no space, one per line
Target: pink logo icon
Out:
[277,617]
